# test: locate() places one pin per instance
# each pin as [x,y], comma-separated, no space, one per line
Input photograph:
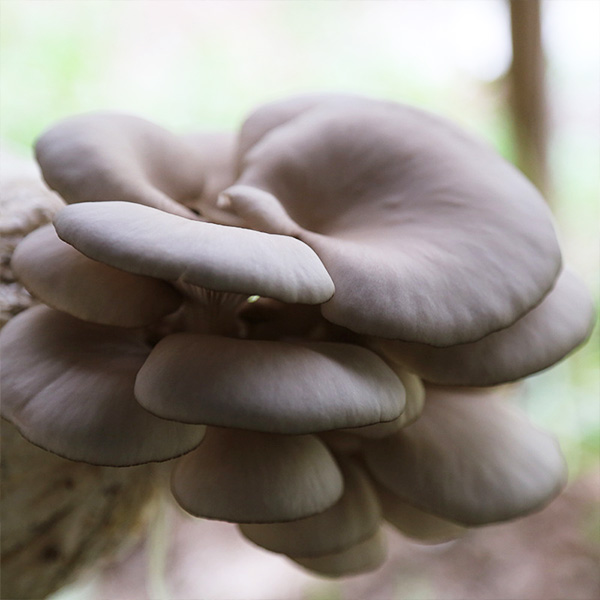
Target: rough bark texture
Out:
[59,517]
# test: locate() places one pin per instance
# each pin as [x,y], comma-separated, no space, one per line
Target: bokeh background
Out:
[203,64]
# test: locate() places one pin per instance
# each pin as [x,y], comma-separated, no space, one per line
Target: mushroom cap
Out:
[215,151]
[65,279]
[545,335]
[415,523]
[274,114]
[67,386]
[146,241]
[250,477]
[355,517]
[428,235]
[470,459]
[365,556]
[268,386]
[112,156]
[415,401]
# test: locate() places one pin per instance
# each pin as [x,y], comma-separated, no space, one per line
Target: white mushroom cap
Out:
[150,242]
[542,337]
[67,385]
[250,477]
[111,156]
[470,459]
[267,386]
[65,279]
[355,517]
[367,555]
[428,235]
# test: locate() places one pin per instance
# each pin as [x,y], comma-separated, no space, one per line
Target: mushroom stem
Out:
[208,311]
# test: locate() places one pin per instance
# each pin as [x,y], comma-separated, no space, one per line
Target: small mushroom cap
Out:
[355,517]
[428,235]
[275,387]
[67,386]
[146,241]
[470,459]
[65,279]
[111,156]
[250,477]
[365,556]
[415,523]
[545,335]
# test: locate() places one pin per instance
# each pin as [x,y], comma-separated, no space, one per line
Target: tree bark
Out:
[59,517]
[528,99]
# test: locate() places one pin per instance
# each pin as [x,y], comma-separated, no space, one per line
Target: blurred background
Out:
[192,65]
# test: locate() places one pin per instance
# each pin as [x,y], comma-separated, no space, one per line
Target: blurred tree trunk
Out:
[528,99]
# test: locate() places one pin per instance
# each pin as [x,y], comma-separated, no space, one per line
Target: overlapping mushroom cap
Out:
[271,307]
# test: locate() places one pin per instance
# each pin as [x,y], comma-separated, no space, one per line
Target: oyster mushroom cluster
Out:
[309,317]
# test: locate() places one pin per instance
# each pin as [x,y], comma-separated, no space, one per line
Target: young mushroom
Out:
[349,254]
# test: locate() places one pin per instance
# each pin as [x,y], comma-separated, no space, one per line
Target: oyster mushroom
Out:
[65,279]
[149,242]
[387,248]
[251,477]
[113,156]
[429,236]
[355,517]
[562,321]
[278,387]
[77,397]
[470,459]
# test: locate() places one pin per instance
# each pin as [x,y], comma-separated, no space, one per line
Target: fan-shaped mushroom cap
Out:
[415,523]
[353,518]
[470,459]
[67,386]
[267,386]
[65,279]
[274,114]
[536,341]
[428,235]
[149,242]
[112,156]
[250,477]
[367,555]
[216,152]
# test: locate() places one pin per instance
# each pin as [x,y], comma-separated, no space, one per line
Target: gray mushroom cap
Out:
[367,555]
[355,517]
[416,523]
[77,398]
[545,335]
[67,280]
[250,477]
[267,386]
[470,458]
[146,241]
[112,156]
[428,235]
